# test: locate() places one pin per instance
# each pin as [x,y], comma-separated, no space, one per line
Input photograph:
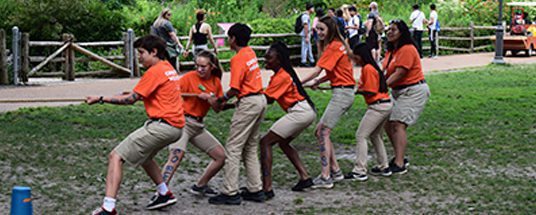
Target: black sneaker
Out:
[397,170]
[101,211]
[203,191]
[223,199]
[383,172]
[269,194]
[303,184]
[162,201]
[406,162]
[254,197]
[356,176]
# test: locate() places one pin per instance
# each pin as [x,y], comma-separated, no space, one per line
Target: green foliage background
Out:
[92,20]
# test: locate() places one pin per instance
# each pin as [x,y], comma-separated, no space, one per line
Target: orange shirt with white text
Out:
[161,93]
[245,72]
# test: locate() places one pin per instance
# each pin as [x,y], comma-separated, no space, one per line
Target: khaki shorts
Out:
[195,133]
[409,103]
[144,143]
[341,100]
[298,118]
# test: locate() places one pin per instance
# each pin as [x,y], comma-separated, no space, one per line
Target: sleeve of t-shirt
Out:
[169,27]
[184,84]
[405,58]
[329,58]
[369,82]
[277,87]
[370,16]
[148,84]
[305,19]
[412,17]
[237,73]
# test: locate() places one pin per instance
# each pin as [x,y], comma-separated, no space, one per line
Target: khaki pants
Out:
[143,144]
[195,133]
[371,126]
[242,144]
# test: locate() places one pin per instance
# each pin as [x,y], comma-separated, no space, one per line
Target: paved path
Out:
[57,89]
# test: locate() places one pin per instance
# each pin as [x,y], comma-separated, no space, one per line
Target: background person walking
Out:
[432,27]
[163,28]
[417,19]
[200,34]
[306,47]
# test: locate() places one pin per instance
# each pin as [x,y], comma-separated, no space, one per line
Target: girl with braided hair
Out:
[285,88]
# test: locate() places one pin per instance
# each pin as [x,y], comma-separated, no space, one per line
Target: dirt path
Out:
[57,89]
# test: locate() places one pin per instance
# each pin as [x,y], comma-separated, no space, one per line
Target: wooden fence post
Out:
[69,58]
[126,51]
[472,35]
[4,77]
[25,57]
[15,49]
[134,55]
[437,42]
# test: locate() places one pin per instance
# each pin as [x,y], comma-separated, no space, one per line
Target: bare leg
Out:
[173,162]
[218,160]
[266,158]
[114,175]
[397,135]
[294,157]
[153,171]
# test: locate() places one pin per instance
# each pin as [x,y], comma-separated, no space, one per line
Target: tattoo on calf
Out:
[324,161]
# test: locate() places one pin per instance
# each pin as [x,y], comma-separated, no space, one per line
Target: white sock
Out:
[162,188]
[108,204]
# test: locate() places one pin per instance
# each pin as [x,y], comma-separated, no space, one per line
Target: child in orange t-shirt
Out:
[373,87]
[161,95]
[204,83]
[243,138]
[338,67]
[285,88]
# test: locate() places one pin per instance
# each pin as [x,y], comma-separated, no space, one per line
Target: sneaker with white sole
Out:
[406,162]
[161,201]
[321,182]
[101,211]
[353,176]
[379,171]
[203,191]
[337,175]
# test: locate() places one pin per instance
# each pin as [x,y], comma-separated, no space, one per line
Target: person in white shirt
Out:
[417,19]
[353,27]
[432,26]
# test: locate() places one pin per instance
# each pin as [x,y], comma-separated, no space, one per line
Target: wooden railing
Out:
[129,60]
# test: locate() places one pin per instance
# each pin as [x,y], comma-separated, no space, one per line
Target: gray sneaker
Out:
[337,175]
[321,182]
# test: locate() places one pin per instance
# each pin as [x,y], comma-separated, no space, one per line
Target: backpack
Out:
[362,29]
[298,27]
[437,26]
[379,26]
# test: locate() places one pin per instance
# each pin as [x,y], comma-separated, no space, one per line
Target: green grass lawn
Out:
[473,150]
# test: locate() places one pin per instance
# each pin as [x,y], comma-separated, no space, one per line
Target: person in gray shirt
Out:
[163,28]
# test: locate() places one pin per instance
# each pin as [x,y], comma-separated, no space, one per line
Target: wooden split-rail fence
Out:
[23,65]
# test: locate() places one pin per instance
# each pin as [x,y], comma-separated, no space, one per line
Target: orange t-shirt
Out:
[370,82]
[192,83]
[161,93]
[282,89]
[337,65]
[408,58]
[245,72]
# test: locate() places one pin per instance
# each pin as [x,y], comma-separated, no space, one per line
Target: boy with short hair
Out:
[244,136]
[162,99]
